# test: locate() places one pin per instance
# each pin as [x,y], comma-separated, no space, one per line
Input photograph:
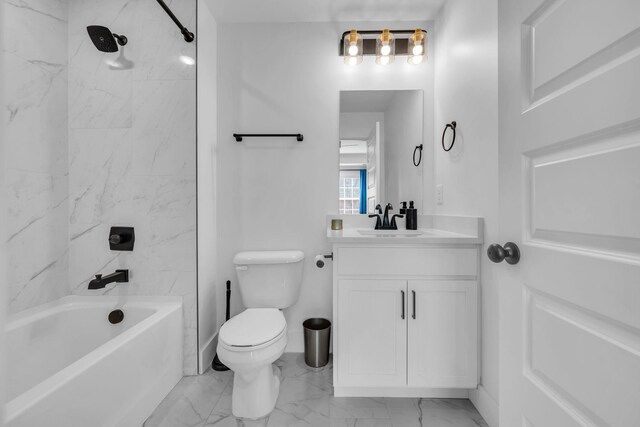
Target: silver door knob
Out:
[509,253]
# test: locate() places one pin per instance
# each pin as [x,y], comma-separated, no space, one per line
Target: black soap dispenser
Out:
[412,217]
[403,208]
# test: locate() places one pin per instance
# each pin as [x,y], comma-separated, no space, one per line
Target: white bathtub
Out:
[68,366]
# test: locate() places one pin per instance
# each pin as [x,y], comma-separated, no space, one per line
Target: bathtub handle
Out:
[242,267]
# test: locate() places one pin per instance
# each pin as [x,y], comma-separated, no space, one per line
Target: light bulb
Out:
[352,48]
[417,47]
[385,48]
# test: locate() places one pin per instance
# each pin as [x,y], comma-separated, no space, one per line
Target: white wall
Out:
[34,114]
[276,194]
[403,132]
[3,232]
[207,39]
[466,88]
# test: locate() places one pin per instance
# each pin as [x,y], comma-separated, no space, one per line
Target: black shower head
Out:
[104,39]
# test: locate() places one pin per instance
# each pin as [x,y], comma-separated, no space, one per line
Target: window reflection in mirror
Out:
[378,133]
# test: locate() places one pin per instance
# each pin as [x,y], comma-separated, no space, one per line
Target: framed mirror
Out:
[379,131]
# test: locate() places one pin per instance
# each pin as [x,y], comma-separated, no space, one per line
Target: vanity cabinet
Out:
[405,320]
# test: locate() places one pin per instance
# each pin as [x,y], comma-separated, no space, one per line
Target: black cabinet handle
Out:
[413,293]
[402,293]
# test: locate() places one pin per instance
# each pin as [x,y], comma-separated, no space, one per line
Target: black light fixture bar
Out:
[369,45]
[188,35]
[239,136]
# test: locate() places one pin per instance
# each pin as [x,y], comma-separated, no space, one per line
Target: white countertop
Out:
[429,235]
[437,229]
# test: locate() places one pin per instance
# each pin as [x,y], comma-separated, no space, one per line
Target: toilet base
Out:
[257,397]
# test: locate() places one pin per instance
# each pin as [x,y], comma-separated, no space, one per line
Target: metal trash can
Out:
[317,333]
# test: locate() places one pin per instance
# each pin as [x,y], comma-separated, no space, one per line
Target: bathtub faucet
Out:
[120,276]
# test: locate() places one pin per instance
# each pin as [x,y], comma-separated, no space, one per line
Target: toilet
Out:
[251,341]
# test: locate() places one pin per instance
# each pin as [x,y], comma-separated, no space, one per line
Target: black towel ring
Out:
[418,147]
[451,125]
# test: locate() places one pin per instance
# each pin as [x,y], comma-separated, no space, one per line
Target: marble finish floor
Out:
[306,399]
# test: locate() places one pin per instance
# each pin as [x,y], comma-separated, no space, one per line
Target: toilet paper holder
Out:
[319,260]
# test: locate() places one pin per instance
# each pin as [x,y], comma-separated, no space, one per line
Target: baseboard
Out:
[295,342]
[435,393]
[486,405]
[207,354]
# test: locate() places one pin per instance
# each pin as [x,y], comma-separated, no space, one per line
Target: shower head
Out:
[104,39]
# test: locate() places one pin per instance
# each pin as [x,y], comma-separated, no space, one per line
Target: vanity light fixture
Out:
[384,45]
[352,48]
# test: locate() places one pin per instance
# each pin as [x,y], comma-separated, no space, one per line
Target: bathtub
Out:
[68,366]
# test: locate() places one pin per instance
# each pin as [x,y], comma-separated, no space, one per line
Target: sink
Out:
[393,233]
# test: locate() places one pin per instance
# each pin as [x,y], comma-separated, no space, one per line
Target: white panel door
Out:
[443,338]
[374,172]
[372,334]
[570,198]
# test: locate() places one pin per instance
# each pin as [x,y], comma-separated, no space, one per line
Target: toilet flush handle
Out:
[242,268]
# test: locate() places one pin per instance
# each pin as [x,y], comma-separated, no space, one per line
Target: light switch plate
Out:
[439,194]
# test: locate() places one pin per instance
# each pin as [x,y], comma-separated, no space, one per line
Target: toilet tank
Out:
[269,279]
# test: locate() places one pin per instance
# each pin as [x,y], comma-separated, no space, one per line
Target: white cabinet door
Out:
[443,327]
[372,333]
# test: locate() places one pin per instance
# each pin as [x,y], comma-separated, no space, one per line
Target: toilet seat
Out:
[253,328]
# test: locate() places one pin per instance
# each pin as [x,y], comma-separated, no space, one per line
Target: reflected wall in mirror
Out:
[379,130]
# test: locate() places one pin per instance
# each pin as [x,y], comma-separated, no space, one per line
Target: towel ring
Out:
[451,125]
[418,147]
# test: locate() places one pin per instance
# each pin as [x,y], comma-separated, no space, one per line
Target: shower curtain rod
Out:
[188,36]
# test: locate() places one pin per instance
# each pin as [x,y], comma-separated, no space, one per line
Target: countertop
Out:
[428,236]
[435,229]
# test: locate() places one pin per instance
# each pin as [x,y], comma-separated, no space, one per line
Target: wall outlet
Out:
[439,194]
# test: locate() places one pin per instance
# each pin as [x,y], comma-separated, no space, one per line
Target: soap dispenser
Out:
[412,217]
[403,208]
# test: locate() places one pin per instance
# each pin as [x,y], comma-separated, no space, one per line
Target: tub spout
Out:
[120,276]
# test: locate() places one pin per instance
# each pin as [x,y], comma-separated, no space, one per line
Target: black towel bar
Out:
[239,136]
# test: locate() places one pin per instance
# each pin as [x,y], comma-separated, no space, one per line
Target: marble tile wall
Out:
[132,152]
[34,115]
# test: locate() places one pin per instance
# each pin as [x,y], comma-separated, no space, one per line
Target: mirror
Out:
[379,131]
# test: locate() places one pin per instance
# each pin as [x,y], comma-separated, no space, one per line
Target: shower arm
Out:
[188,36]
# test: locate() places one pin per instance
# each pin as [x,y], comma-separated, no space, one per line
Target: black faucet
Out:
[384,223]
[120,276]
[377,217]
[385,219]
[393,225]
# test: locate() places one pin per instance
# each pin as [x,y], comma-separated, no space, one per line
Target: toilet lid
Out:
[253,327]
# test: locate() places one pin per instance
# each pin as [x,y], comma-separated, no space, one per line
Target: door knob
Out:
[509,252]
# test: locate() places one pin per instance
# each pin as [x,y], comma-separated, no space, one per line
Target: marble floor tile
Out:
[305,399]
[191,401]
